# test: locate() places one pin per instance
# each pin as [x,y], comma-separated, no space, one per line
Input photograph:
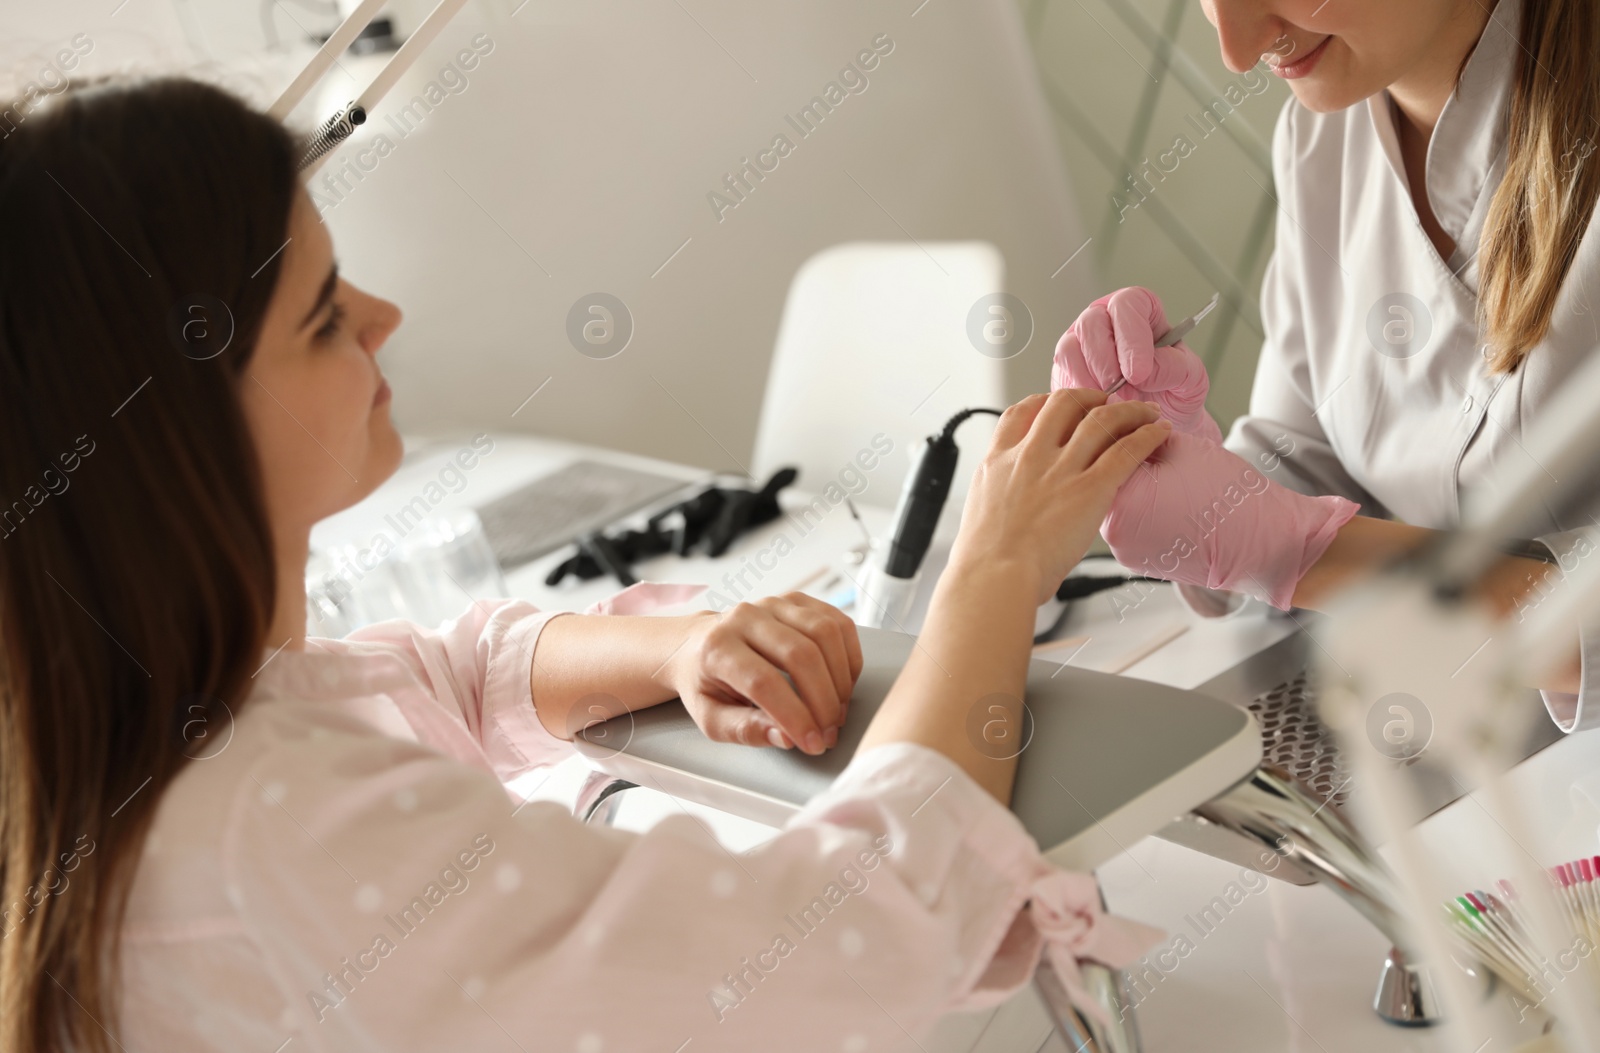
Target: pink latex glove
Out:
[1114,338]
[1200,515]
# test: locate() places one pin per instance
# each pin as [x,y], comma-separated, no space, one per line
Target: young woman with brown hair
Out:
[216,833]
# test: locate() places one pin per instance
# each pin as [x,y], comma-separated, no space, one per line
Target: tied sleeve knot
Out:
[1065,909]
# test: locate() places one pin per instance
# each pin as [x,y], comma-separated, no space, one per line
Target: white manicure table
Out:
[1291,969]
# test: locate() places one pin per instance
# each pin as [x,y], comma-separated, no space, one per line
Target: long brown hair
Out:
[1547,197]
[136,562]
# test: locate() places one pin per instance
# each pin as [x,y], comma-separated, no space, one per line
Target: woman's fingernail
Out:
[831,738]
[775,737]
[813,742]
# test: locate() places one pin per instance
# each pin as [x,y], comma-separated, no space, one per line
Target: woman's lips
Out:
[383,394]
[1303,65]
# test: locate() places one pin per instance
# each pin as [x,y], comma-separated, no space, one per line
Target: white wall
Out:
[579,157]
[1125,79]
[590,139]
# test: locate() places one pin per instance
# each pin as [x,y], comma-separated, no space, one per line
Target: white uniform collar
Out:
[1469,139]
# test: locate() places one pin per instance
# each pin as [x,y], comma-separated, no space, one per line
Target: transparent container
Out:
[440,568]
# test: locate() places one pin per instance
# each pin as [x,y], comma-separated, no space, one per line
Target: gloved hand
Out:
[1114,338]
[1197,514]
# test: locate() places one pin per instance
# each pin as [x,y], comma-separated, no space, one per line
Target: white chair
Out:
[875,339]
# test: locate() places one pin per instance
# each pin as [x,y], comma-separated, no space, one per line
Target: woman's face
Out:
[316,403]
[1334,53]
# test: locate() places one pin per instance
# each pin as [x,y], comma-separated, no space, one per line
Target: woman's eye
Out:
[329,329]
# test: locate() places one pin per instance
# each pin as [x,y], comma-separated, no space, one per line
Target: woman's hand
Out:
[776,672]
[1202,515]
[1114,338]
[1052,470]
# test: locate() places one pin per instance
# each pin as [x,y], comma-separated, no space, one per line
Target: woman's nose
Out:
[384,319]
[1244,32]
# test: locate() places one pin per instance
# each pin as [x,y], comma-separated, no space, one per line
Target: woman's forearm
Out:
[961,690]
[1365,545]
[1361,547]
[590,667]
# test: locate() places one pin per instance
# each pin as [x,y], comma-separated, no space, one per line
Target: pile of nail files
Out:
[1495,928]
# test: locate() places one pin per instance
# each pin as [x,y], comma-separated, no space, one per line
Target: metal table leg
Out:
[597,798]
[1313,843]
[1082,1033]
[1110,989]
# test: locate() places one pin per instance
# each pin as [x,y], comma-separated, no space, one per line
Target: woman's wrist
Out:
[973,651]
[676,649]
[1361,546]
[968,568]
[980,621]
[631,659]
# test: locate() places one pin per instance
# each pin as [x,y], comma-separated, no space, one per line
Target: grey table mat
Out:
[1109,758]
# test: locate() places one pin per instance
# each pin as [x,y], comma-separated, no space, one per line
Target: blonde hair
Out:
[1547,196]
